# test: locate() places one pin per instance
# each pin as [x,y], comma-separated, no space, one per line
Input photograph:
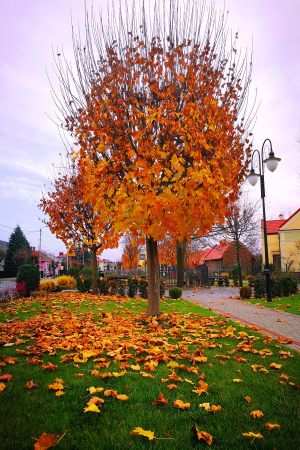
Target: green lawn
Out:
[109,343]
[289,304]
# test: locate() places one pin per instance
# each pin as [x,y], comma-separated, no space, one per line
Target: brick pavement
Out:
[270,322]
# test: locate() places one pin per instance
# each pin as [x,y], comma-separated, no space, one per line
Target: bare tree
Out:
[240,227]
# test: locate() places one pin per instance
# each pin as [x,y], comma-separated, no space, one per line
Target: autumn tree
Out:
[131,252]
[155,107]
[74,221]
[167,251]
[18,252]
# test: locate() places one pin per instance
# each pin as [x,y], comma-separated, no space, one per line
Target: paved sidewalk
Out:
[270,322]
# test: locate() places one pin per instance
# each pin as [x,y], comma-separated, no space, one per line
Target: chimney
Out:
[281,216]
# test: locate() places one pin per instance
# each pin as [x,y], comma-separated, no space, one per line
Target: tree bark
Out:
[94,269]
[180,250]
[153,278]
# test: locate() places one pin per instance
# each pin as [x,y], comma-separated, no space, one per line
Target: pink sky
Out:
[30,143]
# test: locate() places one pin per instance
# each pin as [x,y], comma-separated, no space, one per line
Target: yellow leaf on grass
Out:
[248,399]
[205,406]
[59,393]
[135,367]
[272,426]
[237,380]
[215,408]
[250,434]
[275,366]
[179,404]
[56,386]
[92,408]
[45,441]
[93,390]
[256,414]
[138,431]
[2,387]
[122,397]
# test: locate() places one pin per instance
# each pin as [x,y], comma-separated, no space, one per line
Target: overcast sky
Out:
[30,142]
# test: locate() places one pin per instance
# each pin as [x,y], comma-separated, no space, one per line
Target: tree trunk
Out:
[180,250]
[238,261]
[94,269]
[153,278]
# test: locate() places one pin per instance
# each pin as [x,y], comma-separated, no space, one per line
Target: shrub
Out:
[87,273]
[103,286]
[121,287]
[21,288]
[220,281]
[175,292]
[74,271]
[133,286]
[66,282]
[281,285]
[226,281]
[84,285]
[246,292]
[143,288]
[47,286]
[31,277]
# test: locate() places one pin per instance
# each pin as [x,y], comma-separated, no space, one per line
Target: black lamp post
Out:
[271,162]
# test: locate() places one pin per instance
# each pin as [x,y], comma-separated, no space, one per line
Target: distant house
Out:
[283,242]
[3,248]
[45,262]
[222,258]
[105,265]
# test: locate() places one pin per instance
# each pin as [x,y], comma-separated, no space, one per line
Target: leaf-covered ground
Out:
[85,372]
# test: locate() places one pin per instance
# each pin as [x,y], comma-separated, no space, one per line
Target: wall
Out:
[246,258]
[290,243]
[273,247]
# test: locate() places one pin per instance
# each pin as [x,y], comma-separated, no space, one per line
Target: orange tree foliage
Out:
[159,134]
[167,252]
[131,252]
[75,221]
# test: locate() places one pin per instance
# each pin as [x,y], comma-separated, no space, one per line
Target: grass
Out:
[60,328]
[289,304]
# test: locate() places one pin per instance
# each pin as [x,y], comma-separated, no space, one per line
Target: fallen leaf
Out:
[2,387]
[59,393]
[92,408]
[6,377]
[138,431]
[122,397]
[162,400]
[110,393]
[30,385]
[179,404]
[275,366]
[171,387]
[45,441]
[93,390]
[250,434]
[96,401]
[256,414]
[202,435]
[237,380]
[272,426]
[56,386]
[248,399]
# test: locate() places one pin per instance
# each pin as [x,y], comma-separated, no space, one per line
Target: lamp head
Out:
[252,177]
[272,161]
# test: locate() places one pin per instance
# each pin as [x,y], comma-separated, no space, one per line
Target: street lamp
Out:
[271,162]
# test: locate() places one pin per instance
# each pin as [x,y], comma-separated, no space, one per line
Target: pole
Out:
[267,265]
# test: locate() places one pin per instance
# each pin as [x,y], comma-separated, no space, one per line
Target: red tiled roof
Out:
[273,226]
[217,251]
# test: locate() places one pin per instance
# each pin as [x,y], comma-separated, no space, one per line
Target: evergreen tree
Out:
[18,252]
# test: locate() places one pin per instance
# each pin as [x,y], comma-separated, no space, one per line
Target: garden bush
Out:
[143,288]
[245,292]
[103,286]
[133,287]
[121,288]
[175,292]
[74,271]
[66,282]
[47,286]
[29,274]
[282,284]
